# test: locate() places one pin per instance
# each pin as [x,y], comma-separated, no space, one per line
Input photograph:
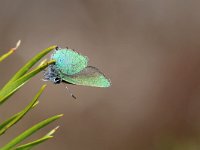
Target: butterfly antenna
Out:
[72,95]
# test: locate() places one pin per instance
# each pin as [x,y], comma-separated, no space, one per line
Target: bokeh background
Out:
[149,49]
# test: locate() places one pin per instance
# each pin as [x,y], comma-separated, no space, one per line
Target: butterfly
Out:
[71,67]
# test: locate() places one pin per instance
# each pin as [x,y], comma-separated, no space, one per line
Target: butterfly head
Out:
[52,74]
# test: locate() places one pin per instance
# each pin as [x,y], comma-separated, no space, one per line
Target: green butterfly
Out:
[72,67]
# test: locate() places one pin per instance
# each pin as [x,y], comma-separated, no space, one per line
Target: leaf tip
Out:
[53,131]
[60,115]
[17,45]
[44,86]
[42,62]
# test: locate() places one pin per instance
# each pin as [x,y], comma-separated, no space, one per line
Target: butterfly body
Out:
[72,67]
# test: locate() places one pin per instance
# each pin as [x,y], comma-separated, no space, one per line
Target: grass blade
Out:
[30,145]
[29,132]
[11,88]
[30,63]
[10,51]
[14,119]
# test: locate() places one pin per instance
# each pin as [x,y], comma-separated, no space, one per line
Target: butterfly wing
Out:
[68,61]
[90,76]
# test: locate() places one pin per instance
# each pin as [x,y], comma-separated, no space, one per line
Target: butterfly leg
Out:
[44,80]
[72,95]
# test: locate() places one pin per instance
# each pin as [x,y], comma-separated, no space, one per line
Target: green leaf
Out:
[4,56]
[29,64]
[38,141]
[29,132]
[14,116]
[11,88]
[14,119]
[10,51]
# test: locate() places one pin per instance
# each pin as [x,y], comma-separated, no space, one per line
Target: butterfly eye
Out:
[56,48]
[57,80]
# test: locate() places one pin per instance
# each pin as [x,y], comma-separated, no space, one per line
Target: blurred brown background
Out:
[149,49]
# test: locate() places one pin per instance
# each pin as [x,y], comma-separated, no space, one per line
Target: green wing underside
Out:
[68,61]
[90,76]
